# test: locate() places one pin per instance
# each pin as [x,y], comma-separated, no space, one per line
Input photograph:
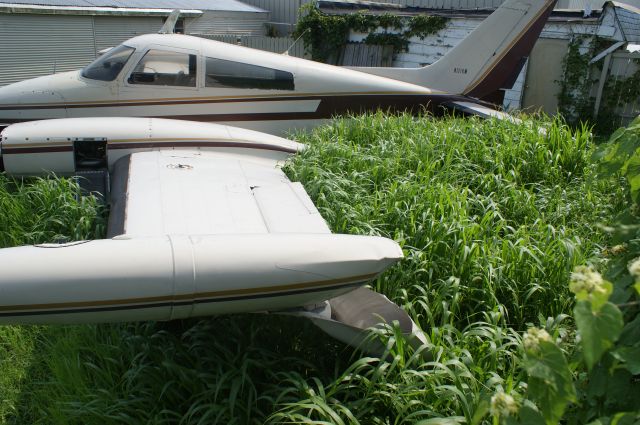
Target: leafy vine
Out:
[575,101]
[325,35]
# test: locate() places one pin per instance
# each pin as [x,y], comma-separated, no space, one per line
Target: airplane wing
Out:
[194,192]
[169,192]
[194,231]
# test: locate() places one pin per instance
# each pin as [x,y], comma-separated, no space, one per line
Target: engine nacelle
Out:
[69,145]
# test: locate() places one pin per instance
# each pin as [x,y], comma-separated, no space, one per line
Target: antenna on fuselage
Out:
[170,23]
[286,52]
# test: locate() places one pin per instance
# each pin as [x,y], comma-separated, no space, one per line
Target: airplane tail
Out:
[487,58]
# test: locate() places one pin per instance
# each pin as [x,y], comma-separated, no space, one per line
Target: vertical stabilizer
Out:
[484,61]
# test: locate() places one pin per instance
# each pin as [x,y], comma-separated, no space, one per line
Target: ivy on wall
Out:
[617,92]
[325,35]
[575,100]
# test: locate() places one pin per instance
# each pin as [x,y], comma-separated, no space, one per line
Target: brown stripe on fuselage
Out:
[329,106]
[190,297]
[207,99]
[151,144]
[35,149]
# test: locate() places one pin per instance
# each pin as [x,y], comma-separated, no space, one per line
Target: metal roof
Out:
[215,5]
[629,20]
[408,5]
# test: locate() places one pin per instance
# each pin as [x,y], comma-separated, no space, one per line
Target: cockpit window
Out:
[224,73]
[108,66]
[165,68]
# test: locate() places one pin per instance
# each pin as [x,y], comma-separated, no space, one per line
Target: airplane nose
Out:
[29,100]
[38,98]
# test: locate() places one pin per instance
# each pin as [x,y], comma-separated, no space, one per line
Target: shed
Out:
[41,37]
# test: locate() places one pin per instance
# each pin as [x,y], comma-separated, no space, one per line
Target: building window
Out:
[108,66]
[224,73]
[165,68]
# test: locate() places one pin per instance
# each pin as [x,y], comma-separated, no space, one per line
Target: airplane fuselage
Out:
[156,76]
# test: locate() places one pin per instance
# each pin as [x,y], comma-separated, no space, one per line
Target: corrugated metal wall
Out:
[243,23]
[36,45]
[270,44]
[39,44]
[282,11]
[113,30]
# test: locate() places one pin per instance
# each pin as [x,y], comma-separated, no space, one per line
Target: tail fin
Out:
[482,62]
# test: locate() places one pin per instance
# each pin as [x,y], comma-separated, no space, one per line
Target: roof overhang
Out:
[80,10]
[339,7]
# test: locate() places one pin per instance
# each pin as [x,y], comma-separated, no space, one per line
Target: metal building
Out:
[41,37]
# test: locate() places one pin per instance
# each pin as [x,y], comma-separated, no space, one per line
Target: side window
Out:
[165,68]
[224,73]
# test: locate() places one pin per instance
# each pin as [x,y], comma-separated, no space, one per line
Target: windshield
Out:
[108,66]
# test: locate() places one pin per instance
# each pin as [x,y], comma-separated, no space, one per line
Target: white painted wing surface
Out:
[194,192]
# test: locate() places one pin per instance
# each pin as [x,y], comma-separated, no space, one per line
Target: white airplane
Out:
[202,222]
[190,78]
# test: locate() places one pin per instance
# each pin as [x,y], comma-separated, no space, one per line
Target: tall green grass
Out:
[46,210]
[492,216]
[489,213]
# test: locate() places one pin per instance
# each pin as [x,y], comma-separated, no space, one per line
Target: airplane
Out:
[202,222]
[189,78]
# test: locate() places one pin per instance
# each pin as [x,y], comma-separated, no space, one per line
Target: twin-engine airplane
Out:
[191,78]
[202,221]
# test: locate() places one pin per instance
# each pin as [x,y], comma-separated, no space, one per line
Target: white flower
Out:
[618,249]
[533,337]
[634,268]
[586,280]
[503,404]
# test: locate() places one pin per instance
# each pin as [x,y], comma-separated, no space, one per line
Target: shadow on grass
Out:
[227,369]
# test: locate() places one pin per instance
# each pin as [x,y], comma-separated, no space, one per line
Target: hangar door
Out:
[543,73]
[36,45]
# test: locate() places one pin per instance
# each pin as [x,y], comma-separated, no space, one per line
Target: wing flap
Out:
[287,208]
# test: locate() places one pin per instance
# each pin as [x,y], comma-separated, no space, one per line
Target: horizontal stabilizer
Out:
[476,109]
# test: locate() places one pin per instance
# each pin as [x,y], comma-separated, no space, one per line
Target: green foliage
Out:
[550,383]
[46,210]
[616,93]
[326,35]
[599,329]
[574,100]
[606,360]
[464,205]
[621,155]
